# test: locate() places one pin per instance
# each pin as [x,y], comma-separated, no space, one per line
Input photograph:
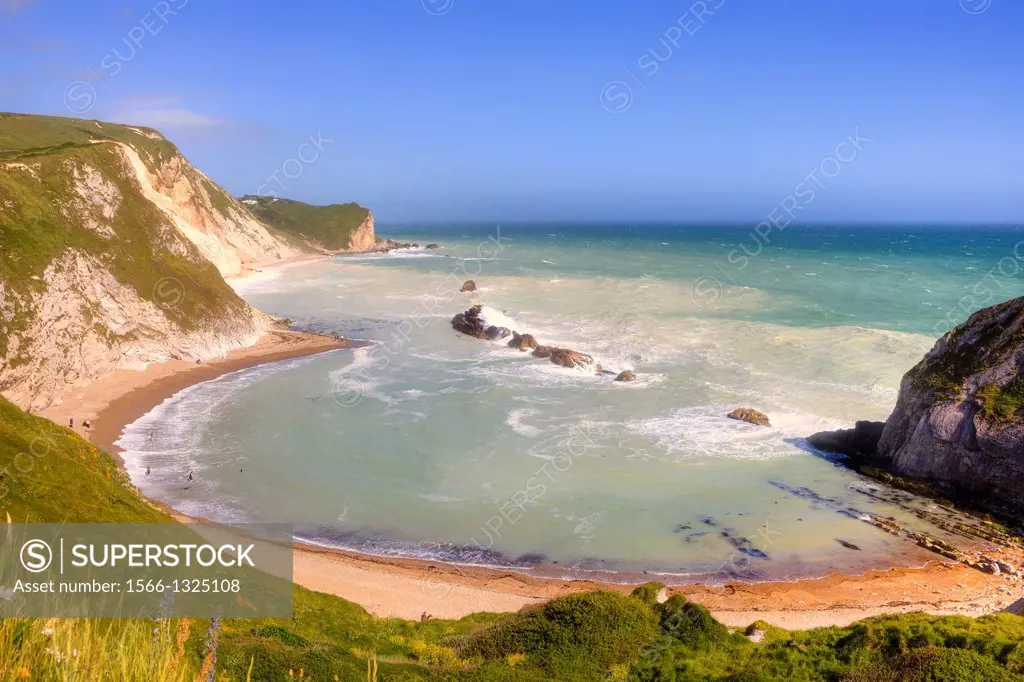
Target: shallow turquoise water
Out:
[433,444]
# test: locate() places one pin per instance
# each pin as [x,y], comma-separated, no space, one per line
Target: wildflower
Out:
[23,672]
[47,631]
[210,656]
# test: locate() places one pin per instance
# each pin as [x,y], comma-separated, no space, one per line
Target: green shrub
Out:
[648,593]
[571,637]
[933,664]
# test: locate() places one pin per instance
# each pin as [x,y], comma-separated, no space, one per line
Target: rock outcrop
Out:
[958,423]
[522,342]
[470,323]
[959,417]
[467,286]
[860,442]
[625,375]
[497,333]
[571,358]
[751,416]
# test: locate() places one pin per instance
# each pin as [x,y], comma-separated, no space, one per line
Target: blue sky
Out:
[556,109]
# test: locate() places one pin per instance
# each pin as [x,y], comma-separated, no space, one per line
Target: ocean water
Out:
[428,443]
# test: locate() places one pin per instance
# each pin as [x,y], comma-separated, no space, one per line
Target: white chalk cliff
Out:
[113,250]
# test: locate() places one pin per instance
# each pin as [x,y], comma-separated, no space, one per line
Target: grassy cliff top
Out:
[26,135]
[328,226]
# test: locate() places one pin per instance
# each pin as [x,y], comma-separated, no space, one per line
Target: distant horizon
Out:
[701,223]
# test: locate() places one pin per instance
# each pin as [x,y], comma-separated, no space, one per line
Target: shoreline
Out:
[408,587]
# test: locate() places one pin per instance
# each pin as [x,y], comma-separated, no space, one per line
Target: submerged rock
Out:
[468,285]
[470,323]
[433,246]
[522,341]
[751,416]
[625,375]
[494,333]
[861,441]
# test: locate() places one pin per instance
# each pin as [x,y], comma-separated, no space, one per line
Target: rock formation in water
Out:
[497,333]
[959,418]
[471,323]
[571,358]
[751,416]
[522,342]
[860,442]
[467,286]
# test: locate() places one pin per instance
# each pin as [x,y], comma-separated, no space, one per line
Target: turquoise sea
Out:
[428,443]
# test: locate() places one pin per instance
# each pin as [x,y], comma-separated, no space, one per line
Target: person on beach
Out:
[71,423]
[190,476]
[147,471]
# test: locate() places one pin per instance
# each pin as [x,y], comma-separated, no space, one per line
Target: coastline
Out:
[406,587]
[118,399]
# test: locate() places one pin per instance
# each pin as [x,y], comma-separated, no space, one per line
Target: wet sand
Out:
[406,588]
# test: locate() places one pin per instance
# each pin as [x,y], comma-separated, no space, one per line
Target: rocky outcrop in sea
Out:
[472,323]
[959,418]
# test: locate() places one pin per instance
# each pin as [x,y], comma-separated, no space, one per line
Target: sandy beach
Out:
[406,588]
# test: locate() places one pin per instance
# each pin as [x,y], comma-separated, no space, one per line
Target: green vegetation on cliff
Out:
[330,227]
[57,175]
[1004,404]
[50,475]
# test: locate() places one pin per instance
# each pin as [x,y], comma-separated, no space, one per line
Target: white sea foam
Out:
[515,420]
[705,431]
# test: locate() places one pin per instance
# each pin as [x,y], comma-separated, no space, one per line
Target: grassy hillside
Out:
[330,227]
[593,636]
[50,475]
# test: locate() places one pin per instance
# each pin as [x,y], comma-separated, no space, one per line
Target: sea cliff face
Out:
[112,251]
[959,417]
[363,238]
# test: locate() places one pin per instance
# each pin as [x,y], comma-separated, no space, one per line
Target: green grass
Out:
[966,356]
[1003,404]
[50,475]
[330,227]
